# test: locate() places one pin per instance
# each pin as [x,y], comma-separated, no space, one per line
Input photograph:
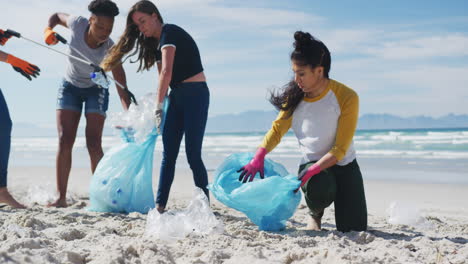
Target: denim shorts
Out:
[71,97]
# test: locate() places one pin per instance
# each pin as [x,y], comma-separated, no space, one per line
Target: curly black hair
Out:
[103,8]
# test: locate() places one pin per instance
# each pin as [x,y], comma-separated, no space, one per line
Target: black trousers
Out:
[186,116]
[342,185]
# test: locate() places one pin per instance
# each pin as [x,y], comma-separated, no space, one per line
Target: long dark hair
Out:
[307,51]
[145,47]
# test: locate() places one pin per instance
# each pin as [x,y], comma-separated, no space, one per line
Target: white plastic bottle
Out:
[99,79]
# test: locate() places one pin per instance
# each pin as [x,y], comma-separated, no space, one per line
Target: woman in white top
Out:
[323,114]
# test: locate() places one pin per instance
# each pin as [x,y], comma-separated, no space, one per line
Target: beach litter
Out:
[405,213]
[197,218]
[122,182]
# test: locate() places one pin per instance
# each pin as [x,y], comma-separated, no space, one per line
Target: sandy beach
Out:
[75,235]
[390,75]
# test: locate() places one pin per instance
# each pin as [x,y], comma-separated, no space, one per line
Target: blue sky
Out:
[402,57]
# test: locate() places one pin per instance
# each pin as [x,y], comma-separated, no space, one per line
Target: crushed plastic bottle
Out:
[99,79]
[406,213]
[173,225]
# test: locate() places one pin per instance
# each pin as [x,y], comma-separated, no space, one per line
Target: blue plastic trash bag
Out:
[122,182]
[267,202]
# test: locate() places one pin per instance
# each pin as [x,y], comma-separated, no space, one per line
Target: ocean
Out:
[420,155]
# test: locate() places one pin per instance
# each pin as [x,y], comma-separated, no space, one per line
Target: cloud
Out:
[258,17]
[437,79]
[350,41]
[239,13]
[417,90]
[35,14]
[245,49]
[447,45]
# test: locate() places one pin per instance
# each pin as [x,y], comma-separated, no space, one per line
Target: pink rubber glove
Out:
[254,166]
[307,174]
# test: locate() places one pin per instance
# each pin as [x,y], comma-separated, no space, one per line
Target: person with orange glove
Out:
[4,37]
[5,139]
[89,40]
[27,70]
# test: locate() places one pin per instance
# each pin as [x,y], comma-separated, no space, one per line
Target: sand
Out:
[75,235]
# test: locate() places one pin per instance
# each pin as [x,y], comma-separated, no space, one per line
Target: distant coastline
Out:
[261,133]
[260,121]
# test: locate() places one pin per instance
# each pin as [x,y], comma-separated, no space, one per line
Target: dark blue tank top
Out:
[187,61]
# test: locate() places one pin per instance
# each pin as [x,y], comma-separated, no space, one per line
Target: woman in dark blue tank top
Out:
[177,56]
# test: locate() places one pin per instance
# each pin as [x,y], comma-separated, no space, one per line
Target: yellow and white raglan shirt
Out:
[325,124]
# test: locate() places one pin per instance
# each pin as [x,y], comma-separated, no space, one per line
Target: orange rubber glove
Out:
[25,68]
[49,36]
[4,36]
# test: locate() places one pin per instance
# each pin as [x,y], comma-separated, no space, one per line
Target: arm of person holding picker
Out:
[96,38]
[4,37]
[6,123]
[50,36]
[25,68]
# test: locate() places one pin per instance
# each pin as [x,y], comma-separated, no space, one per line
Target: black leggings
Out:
[342,185]
[186,116]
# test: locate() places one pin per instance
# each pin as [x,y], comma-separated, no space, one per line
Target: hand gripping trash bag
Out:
[267,202]
[122,182]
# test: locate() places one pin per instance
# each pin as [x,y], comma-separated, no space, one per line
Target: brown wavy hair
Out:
[145,47]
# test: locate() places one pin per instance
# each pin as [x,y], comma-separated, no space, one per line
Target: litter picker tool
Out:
[84,59]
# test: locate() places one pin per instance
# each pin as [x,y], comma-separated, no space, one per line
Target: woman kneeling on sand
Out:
[323,114]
